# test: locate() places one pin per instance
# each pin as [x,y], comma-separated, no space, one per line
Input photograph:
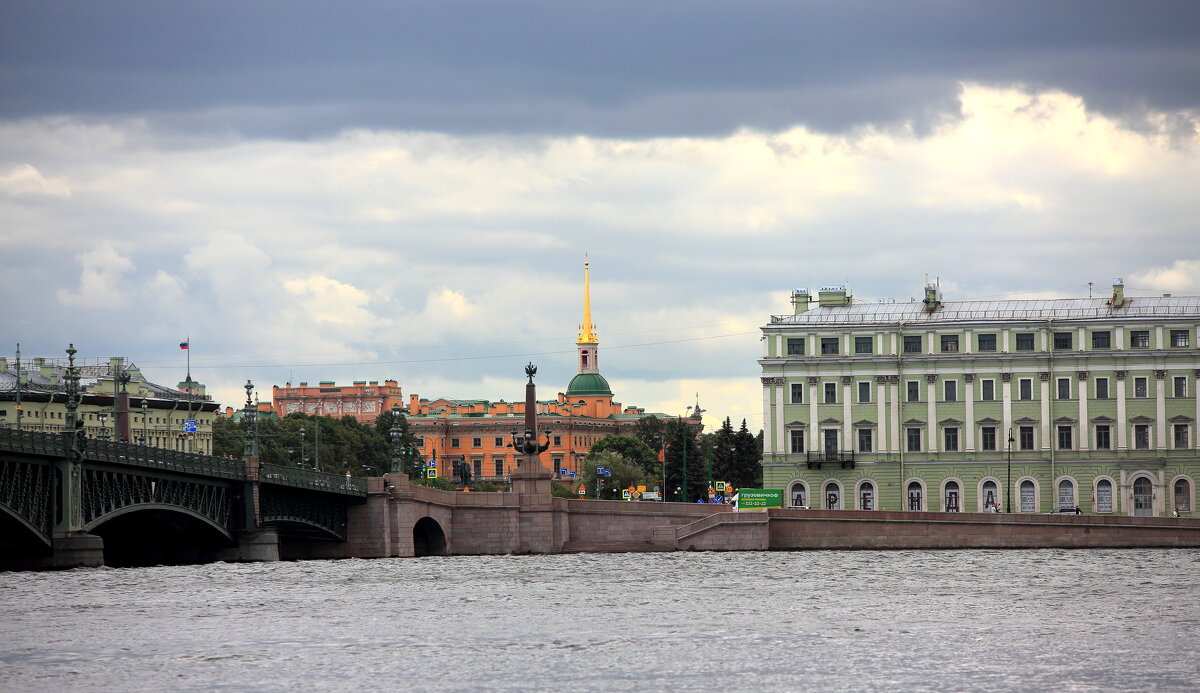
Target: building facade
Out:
[972,406]
[116,403]
[364,400]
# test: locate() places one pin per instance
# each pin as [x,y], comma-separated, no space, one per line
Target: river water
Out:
[1089,620]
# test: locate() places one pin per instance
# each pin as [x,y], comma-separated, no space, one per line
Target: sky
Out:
[347,191]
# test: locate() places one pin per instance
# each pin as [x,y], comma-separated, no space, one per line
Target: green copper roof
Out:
[588,384]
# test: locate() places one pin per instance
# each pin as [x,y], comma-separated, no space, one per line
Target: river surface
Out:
[1084,620]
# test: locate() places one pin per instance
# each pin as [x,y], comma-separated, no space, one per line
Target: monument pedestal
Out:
[531,480]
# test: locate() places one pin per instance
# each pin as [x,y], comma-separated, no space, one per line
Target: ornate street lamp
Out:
[103,416]
[1008,491]
[250,423]
[145,413]
[303,453]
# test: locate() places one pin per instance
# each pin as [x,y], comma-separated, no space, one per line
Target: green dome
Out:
[588,384]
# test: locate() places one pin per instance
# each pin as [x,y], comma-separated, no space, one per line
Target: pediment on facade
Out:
[914,422]
[864,423]
[1181,419]
[1026,421]
[987,421]
[796,424]
[950,422]
[1141,420]
[1062,420]
[831,422]
[1102,420]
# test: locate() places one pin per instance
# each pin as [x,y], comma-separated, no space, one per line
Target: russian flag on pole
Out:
[183,345]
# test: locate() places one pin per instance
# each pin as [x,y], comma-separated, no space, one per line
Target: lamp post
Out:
[103,416]
[303,450]
[686,433]
[145,413]
[394,435]
[1008,491]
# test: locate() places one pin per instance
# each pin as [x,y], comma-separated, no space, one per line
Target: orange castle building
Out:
[364,400]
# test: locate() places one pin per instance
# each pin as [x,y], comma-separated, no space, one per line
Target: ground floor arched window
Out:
[989,494]
[1066,493]
[1028,497]
[1183,495]
[833,496]
[799,495]
[1104,496]
[951,497]
[866,496]
[1143,497]
[916,496]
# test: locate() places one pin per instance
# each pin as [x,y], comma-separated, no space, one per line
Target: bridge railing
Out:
[33,442]
[308,479]
[165,460]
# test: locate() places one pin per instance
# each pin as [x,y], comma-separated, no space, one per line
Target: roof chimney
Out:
[800,300]
[1118,299]
[833,295]
[933,297]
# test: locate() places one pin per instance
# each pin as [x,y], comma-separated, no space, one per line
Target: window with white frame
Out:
[950,390]
[864,345]
[913,439]
[991,496]
[987,438]
[866,496]
[797,393]
[912,344]
[864,440]
[1104,496]
[864,391]
[1103,437]
[1028,497]
[797,439]
[1025,389]
[1179,386]
[951,499]
[912,391]
[950,438]
[830,393]
[1141,387]
[949,343]
[1141,437]
[987,390]
[1101,339]
[829,346]
[1183,495]
[795,346]
[1024,341]
[1066,493]
[1025,433]
[916,496]
[1064,388]
[1181,338]
[1101,388]
[987,341]
[1181,436]
[1139,339]
[1064,437]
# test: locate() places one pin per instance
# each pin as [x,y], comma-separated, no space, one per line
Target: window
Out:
[477,442]
[949,343]
[830,393]
[1064,438]
[1064,388]
[1026,437]
[914,496]
[866,496]
[1180,338]
[498,441]
[913,436]
[478,469]
[454,442]
[991,495]
[864,345]
[1141,437]
[1181,436]
[829,346]
[498,466]
[1024,341]
[950,436]
[1066,494]
[797,441]
[1183,496]
[1179,386]
[1101,388]
[864,392]
[799,495]
[1026,388]
[1104,496]
[797,393]
[1103,437]
[914,391]
[558,440]
[558,466]
[988,438]
[864,440]
[951,499]
[1140,387]
[795,346]
[1062,340]
[1139,339]
[912,344]
[987,390]
[1028,497]
[987,342]
[950,390]
[1102,340]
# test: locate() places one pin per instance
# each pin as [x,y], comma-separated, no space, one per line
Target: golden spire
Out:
[587,331]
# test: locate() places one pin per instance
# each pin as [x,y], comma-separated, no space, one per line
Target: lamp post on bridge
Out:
[1008,491]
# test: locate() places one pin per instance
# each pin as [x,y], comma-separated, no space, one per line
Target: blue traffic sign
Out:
[432,463]
[572,475]
[189,426]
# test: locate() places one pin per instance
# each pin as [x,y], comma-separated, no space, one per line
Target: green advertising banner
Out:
[760,498]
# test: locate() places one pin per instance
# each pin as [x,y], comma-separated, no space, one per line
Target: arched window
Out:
[991,496]
[951,497]
[1028,497]
[1066,493]
[799,495]
[866,496]
[833,496]
[1143,497]
[1183,496]
[916,497]
[1104,496]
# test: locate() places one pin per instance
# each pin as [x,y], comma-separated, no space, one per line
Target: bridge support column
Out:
[258,546]
[78,551]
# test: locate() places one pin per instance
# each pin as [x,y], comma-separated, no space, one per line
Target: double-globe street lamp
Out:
[1008,491]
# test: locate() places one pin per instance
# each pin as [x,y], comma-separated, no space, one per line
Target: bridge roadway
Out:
[67,502]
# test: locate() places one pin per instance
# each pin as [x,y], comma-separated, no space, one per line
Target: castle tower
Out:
[588,382]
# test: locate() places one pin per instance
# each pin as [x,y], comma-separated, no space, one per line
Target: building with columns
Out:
[969,406]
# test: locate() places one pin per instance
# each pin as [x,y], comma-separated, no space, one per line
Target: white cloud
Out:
[100,279]
[329,301]
[1182,276]
[27,180]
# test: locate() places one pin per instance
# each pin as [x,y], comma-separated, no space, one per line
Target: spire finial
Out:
[587,331]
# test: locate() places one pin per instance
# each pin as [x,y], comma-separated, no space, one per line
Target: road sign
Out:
[572,475]
[582,490]
[720,487]
[189,426]
[625,494]
[599,471]
[432,473]
[432,464]
[607,472]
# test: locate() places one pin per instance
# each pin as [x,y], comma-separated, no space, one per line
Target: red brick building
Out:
[363,400]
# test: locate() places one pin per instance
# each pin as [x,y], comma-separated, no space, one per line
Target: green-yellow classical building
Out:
[1027,406]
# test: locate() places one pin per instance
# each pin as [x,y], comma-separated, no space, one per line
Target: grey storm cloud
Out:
[631,69]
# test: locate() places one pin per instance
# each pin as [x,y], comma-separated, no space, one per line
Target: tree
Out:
[680,437]
[227,440]
[747,468]
[624,474]
[633,449]
[724,453]
[650,430]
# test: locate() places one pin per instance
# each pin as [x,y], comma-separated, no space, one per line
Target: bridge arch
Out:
[158,534]
[17,533]
[141,507]
[428,538]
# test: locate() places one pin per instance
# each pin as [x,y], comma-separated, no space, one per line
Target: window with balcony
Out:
[1179,386]
[1103,437]
[987,342]
[864,392]
[1139,339]
[1025,436]
[912,437]
[1024,341]
[950,390]
[950,438]
[1102,339]
[949,343]
[912,391]
[797,441]
[1141,387]
[1025,389]
[987,438]
[1064,438]
[912,344]
[1064,388]
[864,440]
[830,393]
[987,390]
[795,346]
[1181,436]
[1101,388]
[1141,437]
[829,346]
[1181,338]
[864,345]
[1063,340]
